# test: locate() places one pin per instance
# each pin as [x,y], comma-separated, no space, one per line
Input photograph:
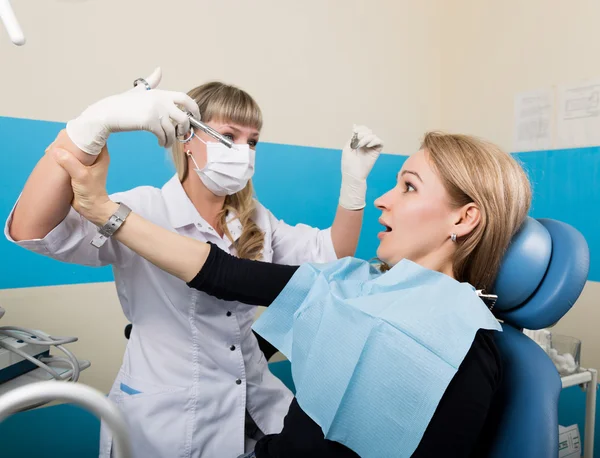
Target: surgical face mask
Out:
[227,170]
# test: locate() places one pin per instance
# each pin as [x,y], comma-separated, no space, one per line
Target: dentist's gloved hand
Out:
[153,110]
[356,166]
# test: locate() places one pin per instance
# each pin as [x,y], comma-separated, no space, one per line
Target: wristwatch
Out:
[112,225]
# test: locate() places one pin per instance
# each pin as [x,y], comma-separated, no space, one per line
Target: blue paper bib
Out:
[372,354]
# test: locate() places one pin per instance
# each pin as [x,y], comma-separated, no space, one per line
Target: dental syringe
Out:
[209,131]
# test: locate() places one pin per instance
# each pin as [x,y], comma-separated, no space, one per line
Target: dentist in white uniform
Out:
[193,374]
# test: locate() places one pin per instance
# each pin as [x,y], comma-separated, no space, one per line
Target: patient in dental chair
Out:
[447,223]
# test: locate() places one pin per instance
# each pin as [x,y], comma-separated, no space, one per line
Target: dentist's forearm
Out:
[46,197]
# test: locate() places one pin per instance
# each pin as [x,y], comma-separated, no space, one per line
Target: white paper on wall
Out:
[578,114]
[534,118]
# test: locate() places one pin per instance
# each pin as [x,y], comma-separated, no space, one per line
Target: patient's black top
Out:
[462,425]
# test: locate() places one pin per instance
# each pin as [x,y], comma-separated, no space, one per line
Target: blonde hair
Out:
[473,170]
[226,103]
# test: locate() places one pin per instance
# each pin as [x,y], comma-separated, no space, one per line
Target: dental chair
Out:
[541,277]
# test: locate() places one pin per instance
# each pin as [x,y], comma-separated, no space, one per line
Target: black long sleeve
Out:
[233,279]
[461,425]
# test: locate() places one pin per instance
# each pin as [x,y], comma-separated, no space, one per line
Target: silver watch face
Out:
[112,225]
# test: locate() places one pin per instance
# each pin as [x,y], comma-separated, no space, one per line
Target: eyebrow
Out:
[232,127]
[404,172]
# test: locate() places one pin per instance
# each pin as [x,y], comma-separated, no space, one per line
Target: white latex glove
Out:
[153,110]
[356,166]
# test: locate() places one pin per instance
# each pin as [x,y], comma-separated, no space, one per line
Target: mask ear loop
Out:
[188,153]
[185,140]
[192,136]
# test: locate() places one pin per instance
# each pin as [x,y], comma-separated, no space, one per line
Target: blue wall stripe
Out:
[565,186]
[298,184]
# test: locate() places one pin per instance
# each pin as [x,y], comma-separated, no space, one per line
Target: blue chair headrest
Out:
[542,274]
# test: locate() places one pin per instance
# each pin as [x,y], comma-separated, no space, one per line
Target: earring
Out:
[189,154]
[453,237]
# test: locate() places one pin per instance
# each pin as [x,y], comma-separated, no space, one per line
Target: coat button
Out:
[238,381]
[228,313]
[232,348]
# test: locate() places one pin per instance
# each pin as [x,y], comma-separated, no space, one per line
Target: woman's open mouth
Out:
[387,230]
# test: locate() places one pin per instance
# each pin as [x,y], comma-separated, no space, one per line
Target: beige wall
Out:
[316,67]
[90,312]
[496,49]
[582,322]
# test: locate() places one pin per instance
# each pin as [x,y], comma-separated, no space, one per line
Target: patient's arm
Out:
[181,256]
[204,266]
[251,282]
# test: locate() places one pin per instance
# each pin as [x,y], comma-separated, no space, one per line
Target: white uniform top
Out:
[192,365]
